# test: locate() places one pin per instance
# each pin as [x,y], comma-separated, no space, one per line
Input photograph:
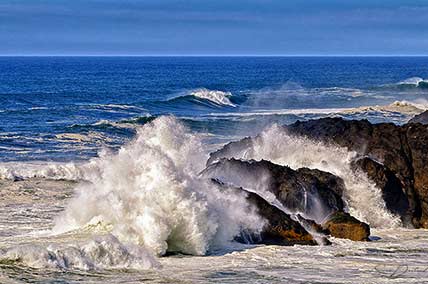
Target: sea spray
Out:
[363,198]
[150,194]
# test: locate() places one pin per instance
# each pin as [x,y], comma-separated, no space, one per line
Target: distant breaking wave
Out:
[415,81]
[408,84]
[215,97]
[124,123]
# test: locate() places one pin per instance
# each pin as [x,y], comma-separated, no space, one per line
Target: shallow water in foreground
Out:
[394,256]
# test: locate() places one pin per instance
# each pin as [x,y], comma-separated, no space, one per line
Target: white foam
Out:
[57,171]
[104,252]
[150,195]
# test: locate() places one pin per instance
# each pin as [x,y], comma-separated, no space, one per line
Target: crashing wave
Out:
[151,196]
[216,97]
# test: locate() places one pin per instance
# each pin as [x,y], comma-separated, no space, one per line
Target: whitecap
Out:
[214,96]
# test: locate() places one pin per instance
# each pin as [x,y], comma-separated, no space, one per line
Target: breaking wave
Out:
[124,123]
[151,196]
[218,98]
[414,81]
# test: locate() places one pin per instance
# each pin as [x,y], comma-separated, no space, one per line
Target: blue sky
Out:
[221,27]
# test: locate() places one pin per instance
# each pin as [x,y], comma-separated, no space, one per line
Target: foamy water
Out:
[395,256]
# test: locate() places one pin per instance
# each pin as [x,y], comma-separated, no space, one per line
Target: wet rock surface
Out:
[342,225]
[394,157]
[289,199]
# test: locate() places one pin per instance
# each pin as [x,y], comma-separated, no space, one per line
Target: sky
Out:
[207,27]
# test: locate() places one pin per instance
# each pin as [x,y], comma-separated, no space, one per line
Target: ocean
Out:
[99,163]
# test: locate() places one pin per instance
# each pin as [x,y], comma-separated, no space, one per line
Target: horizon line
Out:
[213,55]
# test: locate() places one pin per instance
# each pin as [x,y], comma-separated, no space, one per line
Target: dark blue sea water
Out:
[67,108]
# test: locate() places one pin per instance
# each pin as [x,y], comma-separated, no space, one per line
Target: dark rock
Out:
[420,118]
[391,186]
[342,225]
[280,229]
[385,142]
[305,192]
[400,149]
[290,200]
[314,194]
[417,141]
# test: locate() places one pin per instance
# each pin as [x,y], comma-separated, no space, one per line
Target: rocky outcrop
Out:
[417,141]
[280,228]
[420,118]
[289,199]
[398,154]
[342,225]
[383,142]
[401,149]
[390,185]
[313,193]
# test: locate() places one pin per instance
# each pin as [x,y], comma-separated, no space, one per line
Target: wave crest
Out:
[414,81]
[215,97]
